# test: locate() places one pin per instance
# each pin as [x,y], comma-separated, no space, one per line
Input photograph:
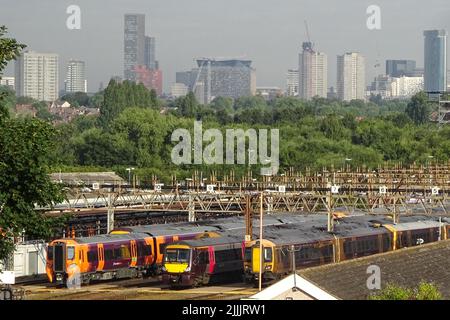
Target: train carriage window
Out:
[117,253]
[248,254]
[92,256]
[144,249]
[267,254]
[109,255]
[125,252]
[162,247]
[387,242]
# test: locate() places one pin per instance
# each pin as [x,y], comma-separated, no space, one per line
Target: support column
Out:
[110,218]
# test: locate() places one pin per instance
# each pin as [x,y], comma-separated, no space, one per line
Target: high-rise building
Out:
[151,79]
[351,76]
[313,73]
[405,87]
[134,44]
[292,83]
[7,81]
[435,60]
[150,55]
[186,77]
[37,75]
[232,78]
[400,68]
[76,77]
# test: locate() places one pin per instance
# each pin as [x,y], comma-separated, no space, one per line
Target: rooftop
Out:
[406,267]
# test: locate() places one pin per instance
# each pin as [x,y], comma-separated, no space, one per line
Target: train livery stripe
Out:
[394,235]
[101,259]
[212,260]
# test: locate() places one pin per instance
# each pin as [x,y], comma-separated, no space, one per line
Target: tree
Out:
[9,50]
[424,291]
[418,108]
[24,179]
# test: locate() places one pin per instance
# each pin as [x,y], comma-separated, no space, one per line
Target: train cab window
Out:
[50,252]
[176,255]
[267,254]
[70,253]
[248,255]
[117,253]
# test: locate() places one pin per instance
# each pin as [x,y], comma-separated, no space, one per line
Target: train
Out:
[204,261]
[309,245]
[134,251]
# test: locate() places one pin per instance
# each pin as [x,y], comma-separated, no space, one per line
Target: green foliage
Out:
[24,180]
[119,96]
[424,291]
[418,108]
[77,99]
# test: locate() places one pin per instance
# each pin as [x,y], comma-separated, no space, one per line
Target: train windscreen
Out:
[58,255]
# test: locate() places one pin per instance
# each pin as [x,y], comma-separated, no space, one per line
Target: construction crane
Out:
[208,77]
[310,44]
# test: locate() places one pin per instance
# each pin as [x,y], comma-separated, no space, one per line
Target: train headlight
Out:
[187,269]
[163,269]
[268,268]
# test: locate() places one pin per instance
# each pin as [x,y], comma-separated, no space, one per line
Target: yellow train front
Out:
[353,237]
[203,261]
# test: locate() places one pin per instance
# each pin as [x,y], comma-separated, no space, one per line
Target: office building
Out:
[36,76]
[150,55]
[406,87]
[351,81]
[179,90]
[400,68]
[76,77]
[8,81]
[292,78]
[435,61]
[134,44]
[313,73]
[232,78]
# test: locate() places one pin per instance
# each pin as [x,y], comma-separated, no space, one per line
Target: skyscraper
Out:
[36,75]
[232,78]
[76,79]
[292,78]
[150,56]
[435,60]
[313,73]
[351,77]
[134,44]
[400,68]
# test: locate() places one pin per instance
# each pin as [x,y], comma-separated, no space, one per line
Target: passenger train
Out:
[353,237]
[209,260]
[132,251]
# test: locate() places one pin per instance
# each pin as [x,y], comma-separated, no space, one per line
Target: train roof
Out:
[203,242]
[416,225]
[106,238]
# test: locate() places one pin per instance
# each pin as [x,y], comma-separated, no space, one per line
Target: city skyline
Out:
[181,40]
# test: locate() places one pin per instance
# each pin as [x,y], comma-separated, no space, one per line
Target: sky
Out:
[268,32]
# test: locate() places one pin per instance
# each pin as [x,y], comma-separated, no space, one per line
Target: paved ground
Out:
[137,289]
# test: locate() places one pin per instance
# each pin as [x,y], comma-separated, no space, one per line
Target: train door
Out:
[256,256]
[101,257]
[133,253]
[212,259]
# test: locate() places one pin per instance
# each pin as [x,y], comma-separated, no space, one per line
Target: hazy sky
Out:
[269,32]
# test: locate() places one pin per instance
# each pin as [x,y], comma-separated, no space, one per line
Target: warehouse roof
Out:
[405,267]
